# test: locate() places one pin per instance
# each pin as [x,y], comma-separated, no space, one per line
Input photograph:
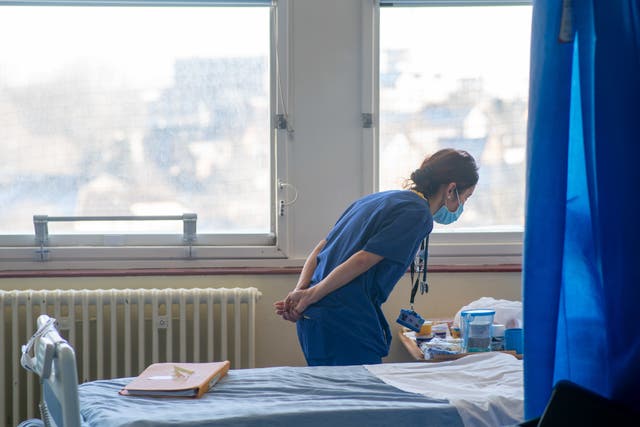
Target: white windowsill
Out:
[450,249]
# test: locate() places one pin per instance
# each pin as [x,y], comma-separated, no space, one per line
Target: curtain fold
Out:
[581,287]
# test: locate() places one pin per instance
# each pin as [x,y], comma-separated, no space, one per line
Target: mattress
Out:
[396,394]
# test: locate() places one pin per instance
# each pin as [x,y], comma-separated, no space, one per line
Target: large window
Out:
[231,109]
[136,111]
[457,76]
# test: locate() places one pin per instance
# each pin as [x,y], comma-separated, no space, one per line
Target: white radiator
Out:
[118,332]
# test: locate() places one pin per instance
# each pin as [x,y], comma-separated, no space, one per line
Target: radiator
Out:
[118,332]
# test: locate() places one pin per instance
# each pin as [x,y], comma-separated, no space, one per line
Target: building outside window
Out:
[457,76]
[128,111]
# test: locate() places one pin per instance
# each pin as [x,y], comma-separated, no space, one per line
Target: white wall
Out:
[325,153]
[276,340]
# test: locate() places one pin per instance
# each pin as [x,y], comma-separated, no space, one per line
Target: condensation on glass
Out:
[458,77]
[135,111]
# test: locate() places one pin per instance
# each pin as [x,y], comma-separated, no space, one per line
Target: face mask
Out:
[444,216]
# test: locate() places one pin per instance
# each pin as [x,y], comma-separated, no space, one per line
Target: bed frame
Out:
[55,364]
[377,395]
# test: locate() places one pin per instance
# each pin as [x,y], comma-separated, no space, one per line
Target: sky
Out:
[455,40]
[46,39]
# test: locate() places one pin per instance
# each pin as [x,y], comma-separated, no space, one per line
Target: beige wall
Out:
[276,340]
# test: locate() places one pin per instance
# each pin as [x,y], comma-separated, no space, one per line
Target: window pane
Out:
[135,111]
[458,77]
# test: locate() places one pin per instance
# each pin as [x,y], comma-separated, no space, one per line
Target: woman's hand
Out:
[303,283]
[279,306]
[287,310]
[292,307]
[299,299]
[297,302]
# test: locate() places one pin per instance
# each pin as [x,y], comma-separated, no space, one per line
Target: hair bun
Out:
[421,176]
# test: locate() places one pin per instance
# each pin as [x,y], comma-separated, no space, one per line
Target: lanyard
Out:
[420,267]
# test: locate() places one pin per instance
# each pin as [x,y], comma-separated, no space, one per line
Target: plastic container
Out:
[425,329]
[513,340]
[497,337]
[440,330]
[476,329]
[425,333]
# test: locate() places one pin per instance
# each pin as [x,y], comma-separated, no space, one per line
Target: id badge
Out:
[410,319]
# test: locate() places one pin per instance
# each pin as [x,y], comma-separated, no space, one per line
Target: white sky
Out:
[44,39]
[460,41]
[443,40]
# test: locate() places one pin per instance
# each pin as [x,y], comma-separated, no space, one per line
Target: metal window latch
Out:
[189,228]
[283,203]
[281,122]
[367,120]
[42,253]
[40,224]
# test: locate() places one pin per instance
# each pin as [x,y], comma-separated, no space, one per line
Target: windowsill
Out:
[451,252]
[222,271]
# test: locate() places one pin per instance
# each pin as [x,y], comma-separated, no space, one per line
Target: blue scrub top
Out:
[348,327]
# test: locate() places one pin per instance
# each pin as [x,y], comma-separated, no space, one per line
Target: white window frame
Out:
[445,248]
[123,251]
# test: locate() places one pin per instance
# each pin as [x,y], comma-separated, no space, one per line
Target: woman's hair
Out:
[444,166]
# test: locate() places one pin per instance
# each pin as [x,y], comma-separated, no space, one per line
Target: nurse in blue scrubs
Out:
[350,274]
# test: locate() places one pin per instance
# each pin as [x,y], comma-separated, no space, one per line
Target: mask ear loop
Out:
[457,198]
[449,198]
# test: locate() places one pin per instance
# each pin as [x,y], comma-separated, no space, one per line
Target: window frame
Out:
[62,251]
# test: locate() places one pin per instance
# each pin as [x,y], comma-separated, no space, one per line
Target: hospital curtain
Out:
[581,268]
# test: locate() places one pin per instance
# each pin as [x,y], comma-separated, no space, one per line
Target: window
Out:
[168,107]
[457,76]
[143,108]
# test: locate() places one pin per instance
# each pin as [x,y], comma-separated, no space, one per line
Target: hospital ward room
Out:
[254,213]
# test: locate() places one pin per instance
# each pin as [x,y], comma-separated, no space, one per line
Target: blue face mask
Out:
[445,216]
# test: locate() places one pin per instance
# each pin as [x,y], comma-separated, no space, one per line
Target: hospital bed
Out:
[482,389]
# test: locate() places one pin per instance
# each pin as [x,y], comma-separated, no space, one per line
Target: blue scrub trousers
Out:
[325,342]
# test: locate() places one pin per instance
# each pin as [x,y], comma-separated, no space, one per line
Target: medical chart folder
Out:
[176,379]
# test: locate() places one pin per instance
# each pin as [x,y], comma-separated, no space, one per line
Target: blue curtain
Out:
[581,269]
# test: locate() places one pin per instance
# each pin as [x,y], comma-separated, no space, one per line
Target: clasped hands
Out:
[296,302]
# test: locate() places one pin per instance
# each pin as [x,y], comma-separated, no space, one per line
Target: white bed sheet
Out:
[485,388]
[310,396]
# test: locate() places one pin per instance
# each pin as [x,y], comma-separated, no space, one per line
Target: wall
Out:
[325,152]
[328,160]
[276,340]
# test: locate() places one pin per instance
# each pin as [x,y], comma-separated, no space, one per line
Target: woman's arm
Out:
[298,300]
[309,267]
[305,277]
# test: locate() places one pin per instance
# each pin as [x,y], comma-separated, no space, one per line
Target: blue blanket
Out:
[283,396]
